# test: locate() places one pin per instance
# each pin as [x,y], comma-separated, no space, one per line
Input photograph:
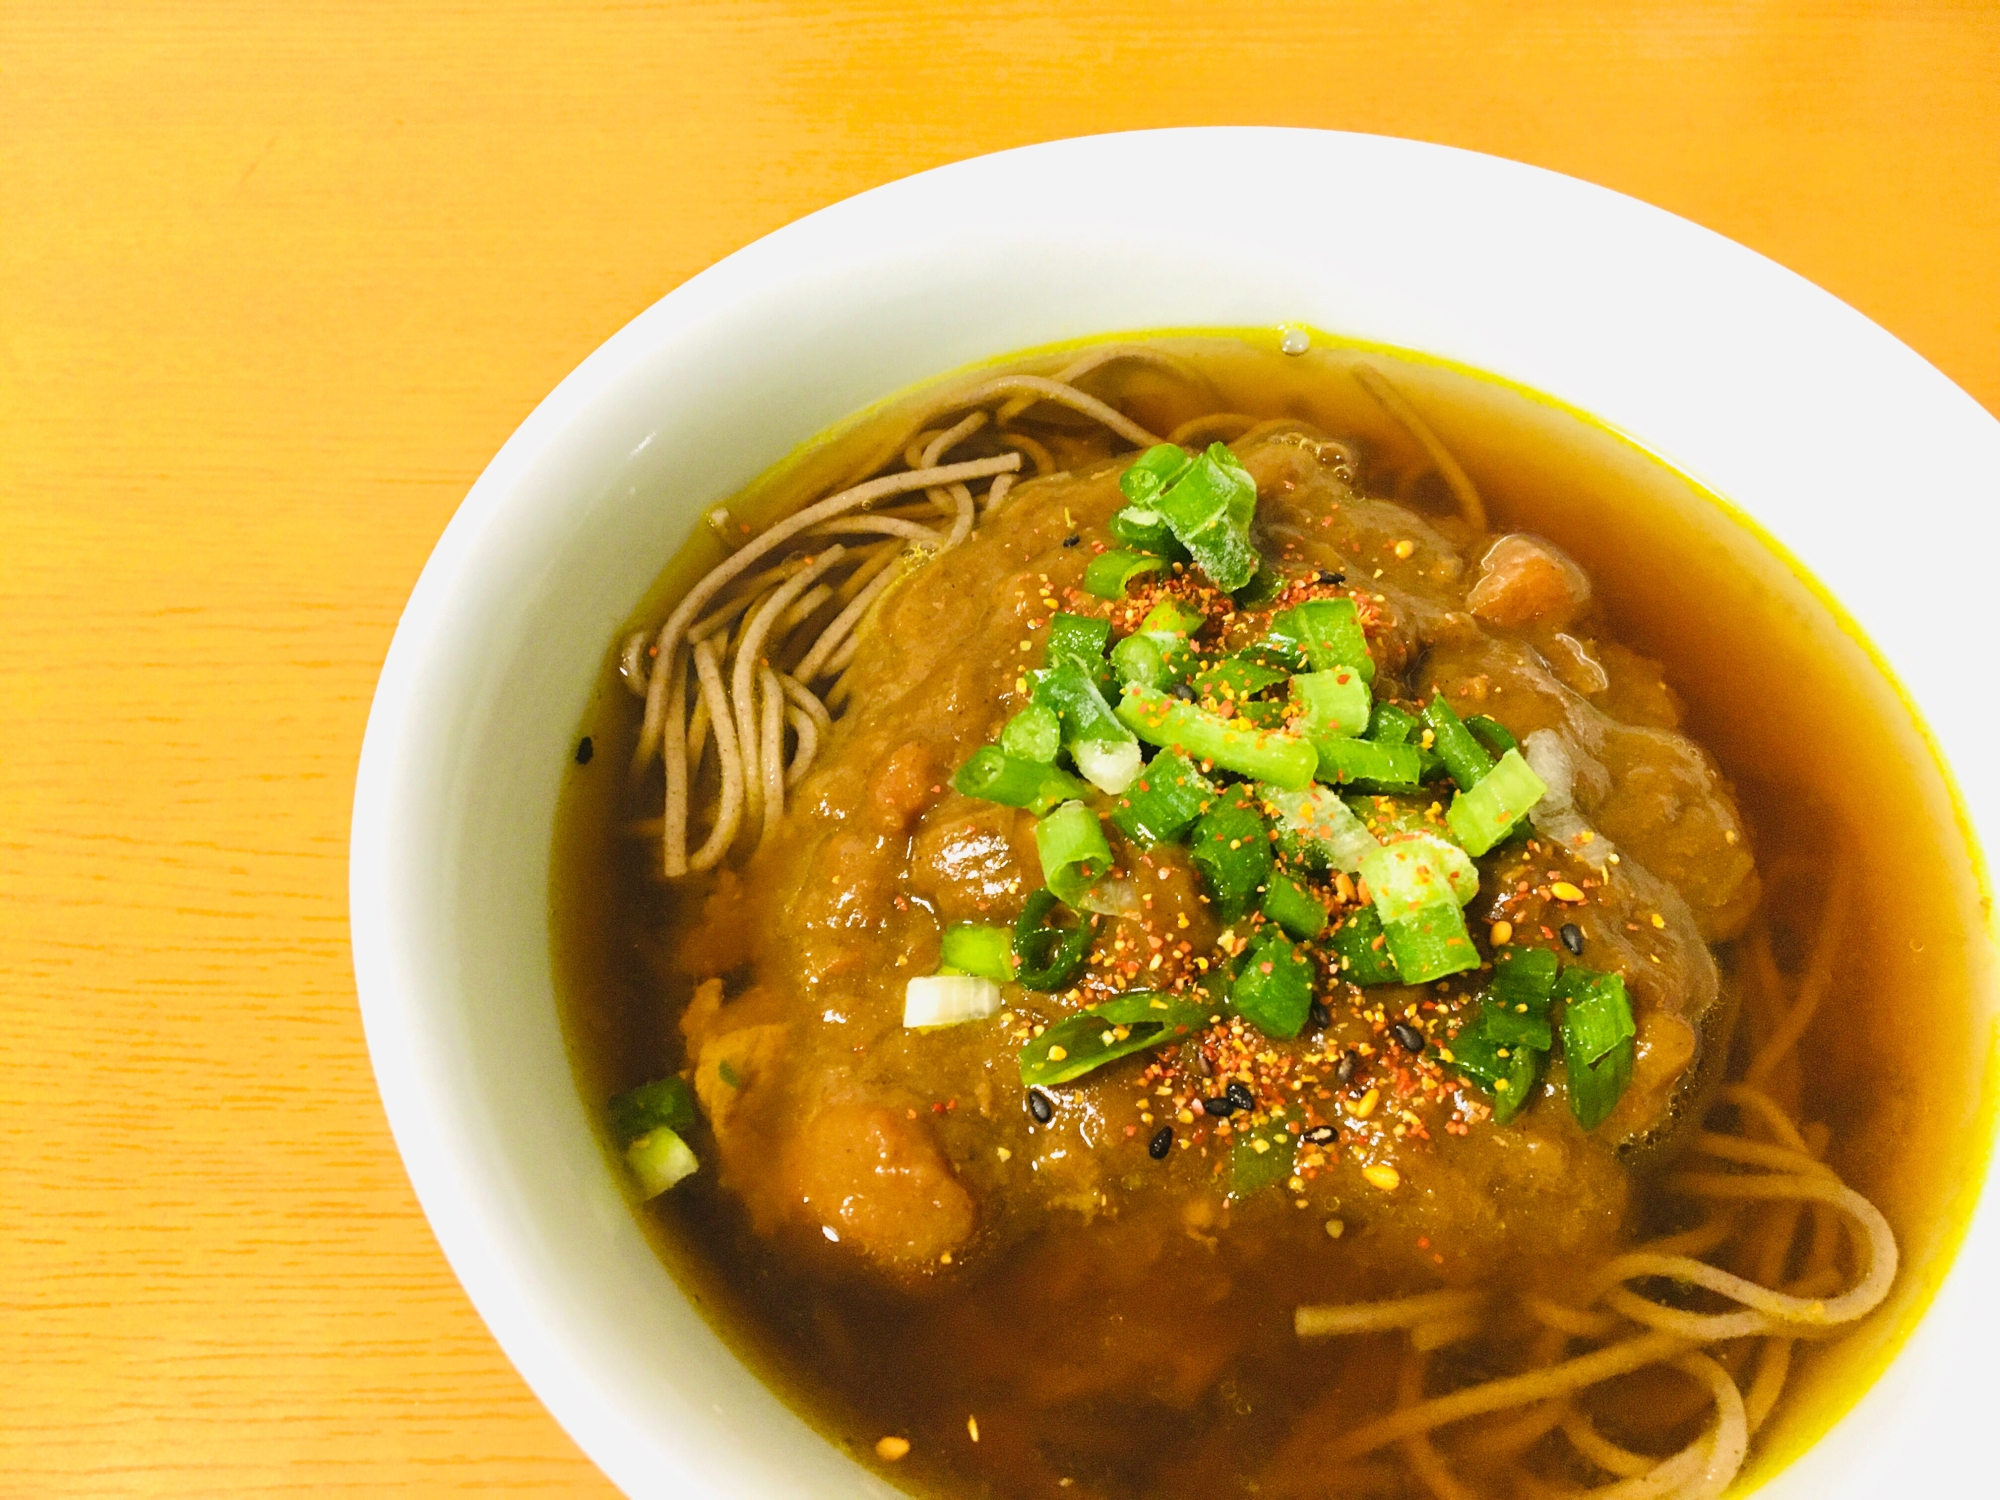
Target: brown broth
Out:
[1827,760]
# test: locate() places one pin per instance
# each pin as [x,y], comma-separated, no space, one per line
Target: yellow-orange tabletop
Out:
[276,280]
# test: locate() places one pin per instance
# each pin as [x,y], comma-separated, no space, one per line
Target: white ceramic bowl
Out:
[1732,368]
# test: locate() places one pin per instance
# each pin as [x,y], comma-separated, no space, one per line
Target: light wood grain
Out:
[276,281]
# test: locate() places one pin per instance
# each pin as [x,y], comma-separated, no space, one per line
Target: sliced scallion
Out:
[1173,617]
[1487,1053]
[1273,986]
[1109,574]
[1336,702]
[1284,760]
[1209,505]
[1081,636]
[1361,949]
[1430,943]
[665,1101]
[1294,908]
[1134,1022]
[1035,733]
[1139,528]
[1367,766]
[1231,846]
[1390,725]
[976,948]
[1491,733]
[1073,850]
[1482,816]
[1152,471]
[932,1000]
[1464,757]
[995,776]
[1164,800]
[1597,1037]
[659,1159]
[1317,829]
[1329,632]
[1046,956]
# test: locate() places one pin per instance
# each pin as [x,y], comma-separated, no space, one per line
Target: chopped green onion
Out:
[1523,979]
[1153,470]
[1514,1029]
[1430,943]
[933,1000]
[1164,801]
[1263,588]
[1035,733]
[1108,765]
[975,948]
[1482,816]
[1329,632]
[1390,725]
[1081,636]
[1361,949]
[1090,730]
[1046,957]
[1073,850]
[995,776]
[1415,872]
[665,1101]
[659,1159]
[1235,680]
[1459,870]
[1276,651]
[1336,702]
[1463,756]
[1597,1016]
[1492,734]
[1263,1155]
[1292,905]
[1138,528]
[1294,908]
[1231,846]
[1173,617]
[1108,574]
[1209,505]
[1284,760]
[1497,1061]
[1133,1022]
[1317,829]
[1273,986]
[1597,1035]
[1139,659]
[1367,766]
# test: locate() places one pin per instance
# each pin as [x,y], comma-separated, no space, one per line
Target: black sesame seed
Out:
[1407,1036]
[1072,541]
[1220,1107]
[1161,1143]
[1239,1094]
[1321,1017]
[1345,1072]
[1319,1135]
[584,750]
[1324,576]
[1183,691]
[1573,938]
[1040,1107]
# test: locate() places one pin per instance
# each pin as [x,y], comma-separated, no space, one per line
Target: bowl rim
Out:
[427,1134]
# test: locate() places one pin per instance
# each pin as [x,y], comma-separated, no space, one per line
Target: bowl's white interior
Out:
[1732,368]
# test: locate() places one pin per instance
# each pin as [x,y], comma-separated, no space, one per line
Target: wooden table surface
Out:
[275,281]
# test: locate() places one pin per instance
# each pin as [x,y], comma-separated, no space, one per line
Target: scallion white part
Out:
[659,1159]
[1109,765]
[948,999]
